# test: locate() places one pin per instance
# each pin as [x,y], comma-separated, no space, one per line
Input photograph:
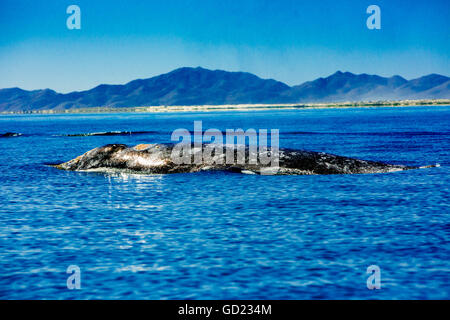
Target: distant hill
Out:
[346,86]
[198,86]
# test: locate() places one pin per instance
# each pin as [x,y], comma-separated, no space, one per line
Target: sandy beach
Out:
[244,107]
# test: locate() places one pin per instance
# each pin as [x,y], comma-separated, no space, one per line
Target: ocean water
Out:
[226,235]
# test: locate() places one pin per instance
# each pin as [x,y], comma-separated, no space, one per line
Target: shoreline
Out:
[240,107]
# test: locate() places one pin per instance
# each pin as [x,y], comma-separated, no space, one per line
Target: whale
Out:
[157,159]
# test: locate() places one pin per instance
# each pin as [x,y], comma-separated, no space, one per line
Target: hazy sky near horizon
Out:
[288,40]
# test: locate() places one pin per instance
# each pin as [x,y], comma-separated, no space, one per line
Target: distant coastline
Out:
[199,89]
[240,107]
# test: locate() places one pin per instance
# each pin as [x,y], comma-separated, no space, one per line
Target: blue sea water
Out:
[226,235]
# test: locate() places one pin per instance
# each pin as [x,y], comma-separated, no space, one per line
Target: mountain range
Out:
[199,86]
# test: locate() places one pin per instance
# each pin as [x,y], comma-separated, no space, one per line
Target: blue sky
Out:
[289,40]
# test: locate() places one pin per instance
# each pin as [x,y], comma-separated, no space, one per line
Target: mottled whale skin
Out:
[156,159]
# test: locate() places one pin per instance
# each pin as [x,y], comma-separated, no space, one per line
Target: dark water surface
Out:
[224,235]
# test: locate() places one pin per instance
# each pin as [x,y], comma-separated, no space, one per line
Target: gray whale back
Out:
[156,159]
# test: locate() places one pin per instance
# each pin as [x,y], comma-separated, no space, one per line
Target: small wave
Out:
[10,135]
[108,133]
[125,133]
[437,165]
[393,133]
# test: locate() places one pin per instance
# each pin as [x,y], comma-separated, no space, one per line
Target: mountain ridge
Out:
[199,86]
